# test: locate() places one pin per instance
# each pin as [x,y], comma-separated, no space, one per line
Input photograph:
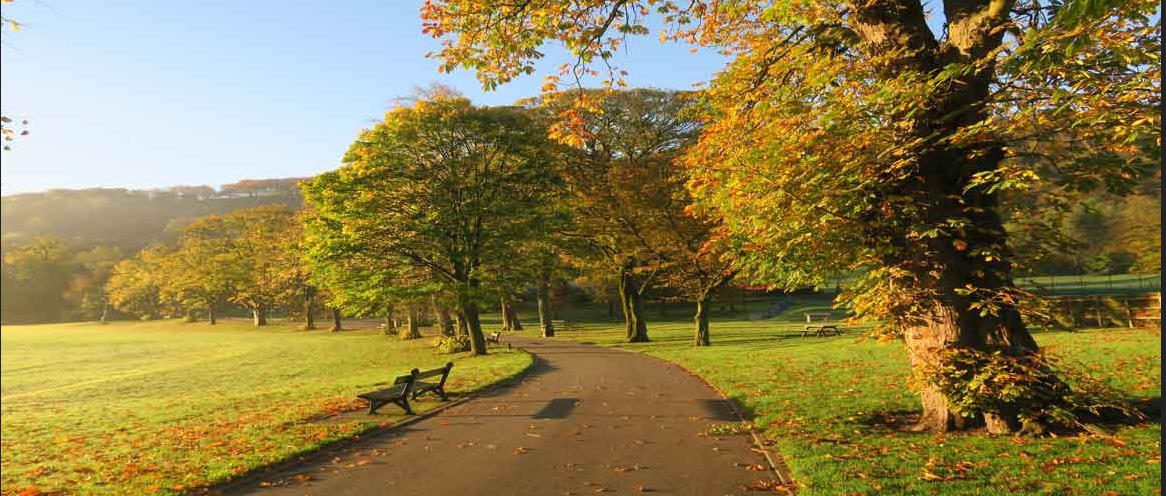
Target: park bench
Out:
[421,387]
[819,324]
[408,387]
[397,394]
[564,325]
[494,337]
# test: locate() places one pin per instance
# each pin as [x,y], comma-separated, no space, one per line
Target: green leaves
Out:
[438,197]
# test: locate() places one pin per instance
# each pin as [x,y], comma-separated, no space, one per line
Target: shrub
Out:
[451,344]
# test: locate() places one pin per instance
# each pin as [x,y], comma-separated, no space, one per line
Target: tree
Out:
[86,291]
[440,186]
[202,273]
[1139,228]
[441,312]
[262,248]
[36,275]
[134,283]
[625,187]
[850,136]
[296,270]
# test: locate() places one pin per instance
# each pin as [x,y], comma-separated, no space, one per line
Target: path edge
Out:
[776,463]
[222,487]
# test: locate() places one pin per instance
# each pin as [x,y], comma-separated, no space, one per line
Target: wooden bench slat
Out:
[408,387]
[421,387]
[384,394]
[398,393]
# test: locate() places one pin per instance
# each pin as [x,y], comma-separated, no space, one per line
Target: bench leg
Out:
[441,392]
[404,404]
[374,405]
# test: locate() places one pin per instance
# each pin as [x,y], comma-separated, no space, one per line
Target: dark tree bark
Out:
[336,325]
[701,319]
[412,331]
[546,325]
[515,322]
[948,263]
[259,316]
[309,308]
[633,308]
[210,315]
[444,321]
[390,320]
[504,311]
[461,324]
[468,312]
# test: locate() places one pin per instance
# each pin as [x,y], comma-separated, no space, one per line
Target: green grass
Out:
[817,399]
[161,407]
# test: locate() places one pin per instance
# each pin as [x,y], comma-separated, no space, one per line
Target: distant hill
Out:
[130,219]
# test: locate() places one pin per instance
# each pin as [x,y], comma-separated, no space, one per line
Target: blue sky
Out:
[157,93]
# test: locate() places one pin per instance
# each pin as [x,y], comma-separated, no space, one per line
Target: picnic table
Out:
[819,324]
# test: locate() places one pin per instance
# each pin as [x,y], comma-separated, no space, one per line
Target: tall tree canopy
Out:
[849,135]
[439,186]
[627,194]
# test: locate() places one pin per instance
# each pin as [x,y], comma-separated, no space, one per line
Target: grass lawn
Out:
[163,407]
[821,399]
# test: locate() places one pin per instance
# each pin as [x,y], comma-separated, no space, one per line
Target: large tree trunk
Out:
[504,310]
[309,308]
[411,329]
[461,324]
[950,263]
[444,321]
[468,312]
[974,254]
[632,303]
[701,319]
[390,320]
[210,314]
[336,325]
[545,323]
[514,321]
[259,316]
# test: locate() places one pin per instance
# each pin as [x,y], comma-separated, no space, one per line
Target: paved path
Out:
[585,420]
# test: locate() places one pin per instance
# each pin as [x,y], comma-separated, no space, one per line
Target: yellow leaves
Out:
[959,244]
[15,25]
[550,84]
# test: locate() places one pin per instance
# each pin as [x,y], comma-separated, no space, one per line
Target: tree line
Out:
[451,207]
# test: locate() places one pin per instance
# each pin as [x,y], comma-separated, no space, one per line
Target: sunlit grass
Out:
[138,408]
[817,399]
